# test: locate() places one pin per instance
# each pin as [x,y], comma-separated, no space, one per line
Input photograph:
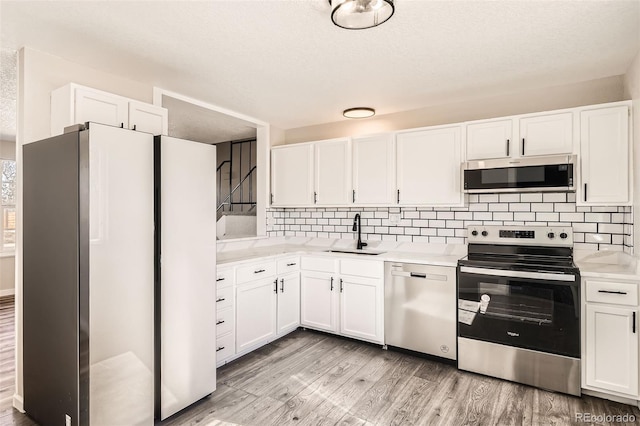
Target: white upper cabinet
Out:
[546,134]
[373,170]
[428,167]
[605,157]
[148,118]
[292,175]
[490,139]
[75,104]
[333,172]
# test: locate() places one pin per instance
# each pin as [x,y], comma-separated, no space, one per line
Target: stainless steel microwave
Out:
[552,173]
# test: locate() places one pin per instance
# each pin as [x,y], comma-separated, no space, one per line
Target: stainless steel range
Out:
[519,306]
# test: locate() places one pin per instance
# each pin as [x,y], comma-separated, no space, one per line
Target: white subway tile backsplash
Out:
[594,228]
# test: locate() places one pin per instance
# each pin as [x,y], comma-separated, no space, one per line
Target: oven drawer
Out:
[611,292]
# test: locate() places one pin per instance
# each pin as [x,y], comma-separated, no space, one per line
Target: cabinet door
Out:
[429,167]
[292,175]
[374,170]
[288,302]
[255,313]
[148,118]
[333,172]
[604,148]
[546,134]
[612,349]
[493,139]
[361,308]
[101,107]
[318,292]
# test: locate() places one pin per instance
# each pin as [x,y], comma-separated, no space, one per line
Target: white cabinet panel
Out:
[490,139]
[333,172]
[292,175]
[361,308]
[288,302]
[148,118]
[374,170]
[612,349]
[100,107]
[546,134]
[318,301]
[605,153]
[255,313]
[429,167]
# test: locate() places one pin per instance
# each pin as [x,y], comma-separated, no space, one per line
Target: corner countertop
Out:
[426,254]
[607,264]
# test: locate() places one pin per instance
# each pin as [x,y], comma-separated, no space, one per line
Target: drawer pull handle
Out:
[612,291]
[220,348]
[258,271]
[219,322]
[219,279]
[291,264]
[222,299]
[418,275]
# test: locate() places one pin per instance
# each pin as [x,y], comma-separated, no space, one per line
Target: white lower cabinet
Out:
[610,333]
[361,308]
[225,311]
[255,313]
[318,301]
[288,303]
[334,301]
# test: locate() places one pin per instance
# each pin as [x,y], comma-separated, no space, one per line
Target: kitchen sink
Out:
[370,253]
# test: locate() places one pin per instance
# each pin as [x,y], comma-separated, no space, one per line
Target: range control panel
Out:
[559,236]
[516,234]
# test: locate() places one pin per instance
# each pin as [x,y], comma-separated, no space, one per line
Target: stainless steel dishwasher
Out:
[420,308]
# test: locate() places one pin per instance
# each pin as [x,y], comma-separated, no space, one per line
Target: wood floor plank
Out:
[378,398]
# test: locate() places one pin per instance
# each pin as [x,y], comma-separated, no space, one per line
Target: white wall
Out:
[585,93]
[632,91]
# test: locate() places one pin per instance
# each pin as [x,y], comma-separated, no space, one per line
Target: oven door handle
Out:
[518,274]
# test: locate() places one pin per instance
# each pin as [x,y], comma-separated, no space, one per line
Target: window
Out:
[8,206]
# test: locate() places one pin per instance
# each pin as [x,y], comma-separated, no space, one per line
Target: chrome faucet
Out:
[358,227]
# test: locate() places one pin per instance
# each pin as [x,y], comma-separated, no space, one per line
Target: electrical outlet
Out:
[394,218]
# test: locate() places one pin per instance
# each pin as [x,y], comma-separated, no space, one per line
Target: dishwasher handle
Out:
[433,277]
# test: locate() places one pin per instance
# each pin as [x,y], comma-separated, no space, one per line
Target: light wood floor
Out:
[309,378]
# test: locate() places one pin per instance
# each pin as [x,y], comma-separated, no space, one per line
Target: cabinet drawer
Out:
[224,322]
[224,277]
[255,271]
[320,264]
[224,298]
[289,264]
[362,268]
[225,347]
[615,293]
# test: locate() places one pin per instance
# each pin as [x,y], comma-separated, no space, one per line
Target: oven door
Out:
[531,310]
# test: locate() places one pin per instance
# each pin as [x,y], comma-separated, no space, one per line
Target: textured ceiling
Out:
[284,62]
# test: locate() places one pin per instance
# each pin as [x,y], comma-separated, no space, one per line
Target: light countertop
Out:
[606,264]
[426,254]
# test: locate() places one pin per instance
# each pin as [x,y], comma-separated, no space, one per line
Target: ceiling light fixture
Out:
[359,112]
[360,14]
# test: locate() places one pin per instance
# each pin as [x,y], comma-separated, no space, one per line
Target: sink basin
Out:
[370,253]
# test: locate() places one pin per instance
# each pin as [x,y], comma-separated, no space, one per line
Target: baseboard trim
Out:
[7,292]
[18,403]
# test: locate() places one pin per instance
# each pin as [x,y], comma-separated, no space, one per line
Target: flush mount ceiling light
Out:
[360,14]
[360,112]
